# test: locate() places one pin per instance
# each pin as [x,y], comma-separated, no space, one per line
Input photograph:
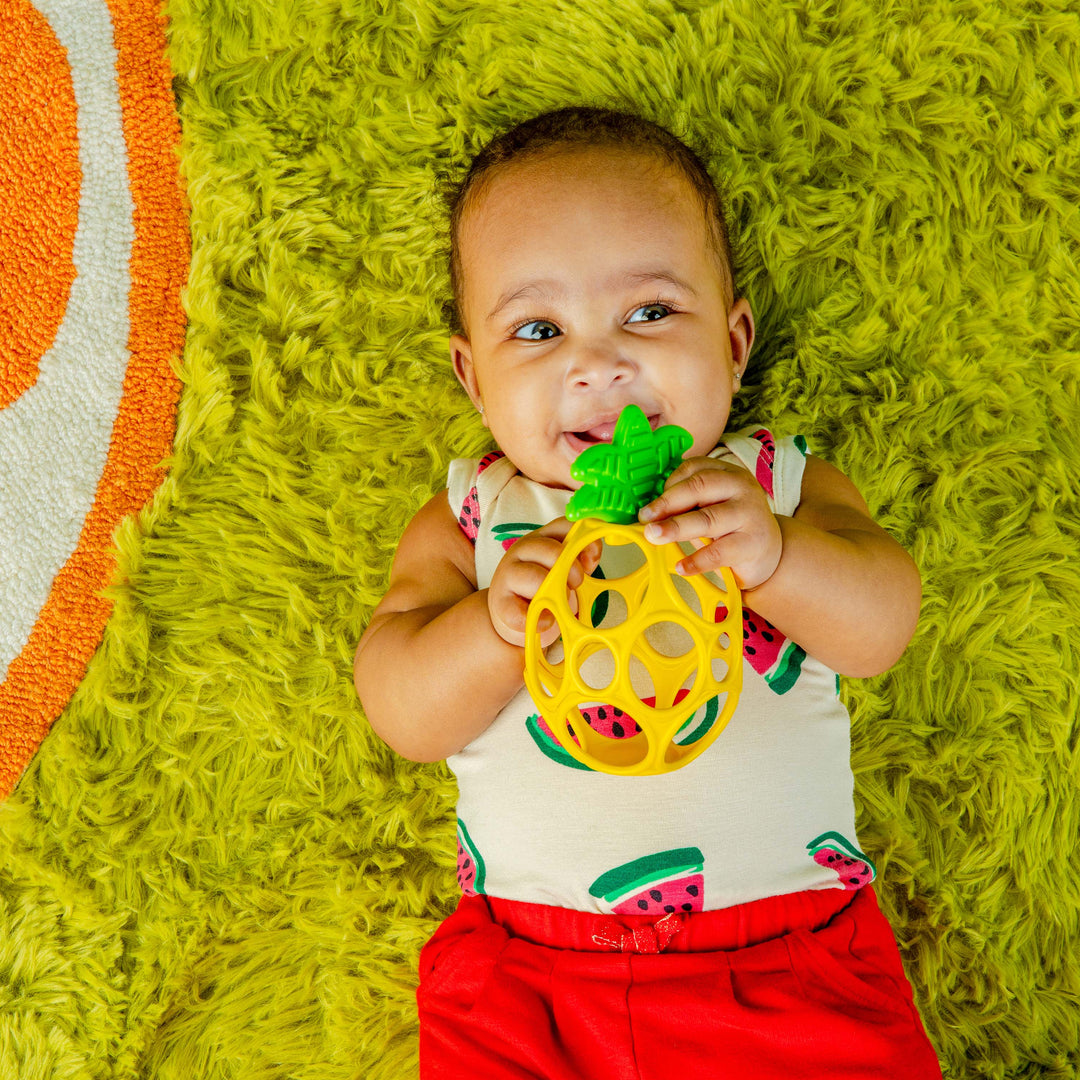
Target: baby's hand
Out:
[520,573]
[706,498]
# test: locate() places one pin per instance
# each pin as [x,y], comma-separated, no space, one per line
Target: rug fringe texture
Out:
[212,867]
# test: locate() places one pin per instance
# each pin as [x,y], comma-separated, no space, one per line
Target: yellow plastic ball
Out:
[653,594]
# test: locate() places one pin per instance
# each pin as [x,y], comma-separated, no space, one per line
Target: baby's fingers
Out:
[699,482]
[702,522]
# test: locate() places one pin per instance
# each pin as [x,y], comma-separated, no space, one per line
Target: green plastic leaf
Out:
[620,477]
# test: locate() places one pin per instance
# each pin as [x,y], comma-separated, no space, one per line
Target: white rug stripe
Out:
[54,440]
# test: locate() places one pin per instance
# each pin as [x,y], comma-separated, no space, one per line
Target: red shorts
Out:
[799,986]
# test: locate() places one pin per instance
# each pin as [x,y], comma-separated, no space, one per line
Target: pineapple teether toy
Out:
[619,478]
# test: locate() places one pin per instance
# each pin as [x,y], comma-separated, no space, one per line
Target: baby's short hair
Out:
[568,128]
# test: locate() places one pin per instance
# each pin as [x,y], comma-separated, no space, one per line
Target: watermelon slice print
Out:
[763,466]
[616,724]
[655,885]
[512,531]
[470,864]
[766,460]
[768,652]
[836,852]
[469,518]
[607,721]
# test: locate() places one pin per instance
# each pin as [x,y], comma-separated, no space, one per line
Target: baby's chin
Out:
[552,474]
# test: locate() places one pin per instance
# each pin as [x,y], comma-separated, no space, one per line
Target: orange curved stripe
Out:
[43,677]
[40,178]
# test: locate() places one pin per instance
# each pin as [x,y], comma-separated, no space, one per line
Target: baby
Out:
[717,920]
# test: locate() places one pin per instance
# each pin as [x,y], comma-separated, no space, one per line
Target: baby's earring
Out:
[738,383]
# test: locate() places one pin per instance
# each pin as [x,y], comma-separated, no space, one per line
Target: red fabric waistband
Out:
[701,931]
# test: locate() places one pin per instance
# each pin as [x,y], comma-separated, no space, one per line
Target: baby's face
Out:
[572,315]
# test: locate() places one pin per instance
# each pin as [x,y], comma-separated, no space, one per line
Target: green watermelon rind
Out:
[517,528]
[837,842]
[467,844]
[712,706]
[553,750]
[633,877]
[783,675]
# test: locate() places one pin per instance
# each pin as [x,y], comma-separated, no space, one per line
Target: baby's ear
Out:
[461,359]
[741,332]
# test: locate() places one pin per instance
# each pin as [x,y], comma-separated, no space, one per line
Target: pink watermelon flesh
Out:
[768,651]
[466,871]
[604,720]
[469,519]
[853,873]
[763,467]
[470,864]
[762,642]
[682,894]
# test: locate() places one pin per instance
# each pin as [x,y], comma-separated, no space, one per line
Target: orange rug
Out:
[94,249]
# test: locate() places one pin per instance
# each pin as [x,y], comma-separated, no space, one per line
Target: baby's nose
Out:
[598,367]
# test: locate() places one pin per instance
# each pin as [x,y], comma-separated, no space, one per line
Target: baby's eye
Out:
[664,308]
[534,322]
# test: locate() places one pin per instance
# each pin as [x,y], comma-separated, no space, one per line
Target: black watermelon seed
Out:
[643,904]
[656,894]
[688,907]
[601,713]
[767,636]
[669,908]
[692,890]
[617,730]
[749,650]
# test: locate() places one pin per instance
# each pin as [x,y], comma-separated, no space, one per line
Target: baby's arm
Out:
[827,577]
[432,670]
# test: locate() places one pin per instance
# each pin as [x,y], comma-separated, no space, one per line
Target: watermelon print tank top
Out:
[767,810]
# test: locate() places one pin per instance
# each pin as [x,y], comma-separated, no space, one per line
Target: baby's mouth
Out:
[601,433]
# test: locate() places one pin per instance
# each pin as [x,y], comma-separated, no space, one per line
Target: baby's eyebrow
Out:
[548,287]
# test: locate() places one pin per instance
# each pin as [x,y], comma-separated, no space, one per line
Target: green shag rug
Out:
[212,868]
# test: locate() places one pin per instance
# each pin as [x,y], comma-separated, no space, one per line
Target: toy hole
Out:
[714,578]
[596,667]
[687,594]
[609,610]
[544,634]
[719,669]
[555,652]
[698,725]
[609,721]
[620,560]
[641,680]
[570,730]
[723,641]
[669,638]
[549,684]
